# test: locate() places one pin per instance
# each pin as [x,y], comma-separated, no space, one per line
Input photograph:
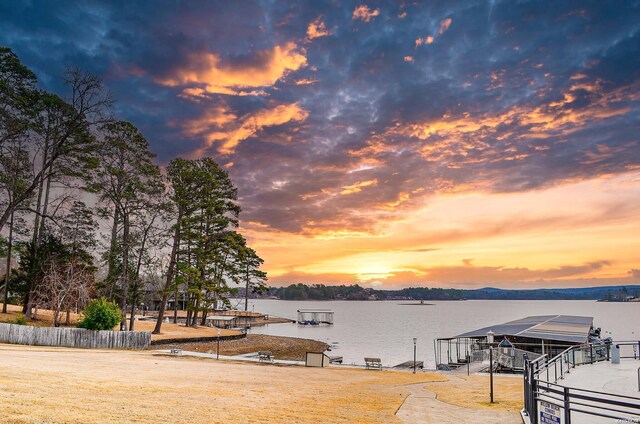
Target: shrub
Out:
[100,314]
[20,320]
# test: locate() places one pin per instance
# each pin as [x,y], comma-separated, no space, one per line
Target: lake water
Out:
[386,329]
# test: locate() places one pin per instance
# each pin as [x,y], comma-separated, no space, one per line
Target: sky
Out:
[389,144]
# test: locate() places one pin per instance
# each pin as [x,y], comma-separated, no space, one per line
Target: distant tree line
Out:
[356,292]
[86,213]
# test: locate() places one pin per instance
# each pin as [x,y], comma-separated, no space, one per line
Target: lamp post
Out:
[415,341]
[218,349]
[142,306]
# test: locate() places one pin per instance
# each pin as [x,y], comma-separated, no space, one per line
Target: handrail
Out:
[589,391]
[573,399]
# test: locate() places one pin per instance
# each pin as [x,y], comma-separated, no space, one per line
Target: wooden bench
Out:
[176,351]
[373,363]
[265,356]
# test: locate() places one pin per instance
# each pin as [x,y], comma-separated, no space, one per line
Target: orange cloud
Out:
[317,29]
[444,25]
[452,138]
[357,187]
[218,125]
[364,14]
[409,59]
[305,81]
[218,116]
[210,75]
[426,40]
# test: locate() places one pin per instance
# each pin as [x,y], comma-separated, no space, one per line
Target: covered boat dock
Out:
[315,316]
[532,336]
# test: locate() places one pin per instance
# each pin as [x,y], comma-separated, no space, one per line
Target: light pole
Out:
[142,306]
[415,341]
[218,349]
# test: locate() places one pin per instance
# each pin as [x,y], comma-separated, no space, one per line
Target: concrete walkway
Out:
[421,406]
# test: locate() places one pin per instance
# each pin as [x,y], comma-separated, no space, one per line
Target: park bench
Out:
[373,363]
[265,356]
[176,351]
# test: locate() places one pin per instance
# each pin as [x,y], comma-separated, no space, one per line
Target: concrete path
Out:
[421,406]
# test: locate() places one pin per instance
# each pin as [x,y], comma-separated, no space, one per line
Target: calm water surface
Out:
[386,329]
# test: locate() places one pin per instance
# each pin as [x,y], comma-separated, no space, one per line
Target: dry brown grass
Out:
[473,392]
[179,331]
[290,348]
[44,319]
[48,385]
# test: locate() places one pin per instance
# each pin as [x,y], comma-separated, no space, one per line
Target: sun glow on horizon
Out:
[556,236]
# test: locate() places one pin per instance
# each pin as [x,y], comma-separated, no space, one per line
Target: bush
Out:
[100,314]
[20,320]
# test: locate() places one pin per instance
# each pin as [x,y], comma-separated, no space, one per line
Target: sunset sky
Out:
[440,143]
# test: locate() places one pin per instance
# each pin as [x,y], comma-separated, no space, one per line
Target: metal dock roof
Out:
[565,328]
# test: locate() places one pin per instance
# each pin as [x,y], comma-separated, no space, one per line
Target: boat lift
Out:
[315,316]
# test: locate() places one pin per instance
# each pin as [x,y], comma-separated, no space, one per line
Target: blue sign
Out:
[549,413]
[548,418]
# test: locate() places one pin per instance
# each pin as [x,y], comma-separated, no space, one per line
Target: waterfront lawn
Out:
[72,385]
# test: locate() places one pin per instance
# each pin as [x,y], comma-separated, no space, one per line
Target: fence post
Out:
[546,360]
[561,373]
[567,407]
[534,388]
[491,371]
[591,350]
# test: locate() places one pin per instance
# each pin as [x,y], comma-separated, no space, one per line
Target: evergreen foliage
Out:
[100,314]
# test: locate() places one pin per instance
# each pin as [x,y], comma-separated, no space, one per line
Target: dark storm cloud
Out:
[373,113]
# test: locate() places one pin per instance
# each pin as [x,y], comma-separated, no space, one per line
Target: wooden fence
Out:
[73,337]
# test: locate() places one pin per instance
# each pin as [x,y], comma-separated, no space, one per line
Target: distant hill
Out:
[355,292]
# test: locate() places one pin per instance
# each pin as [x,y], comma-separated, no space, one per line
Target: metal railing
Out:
[541,377]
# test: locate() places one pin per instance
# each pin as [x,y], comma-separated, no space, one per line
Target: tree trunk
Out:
[133,305]
[45,208]
[170,275]
[188,320]
[137,275]
[68,320]
[246,292]
[36,222]
[56,314]
[111,263]
[175,307]
[8,270]
[125,271]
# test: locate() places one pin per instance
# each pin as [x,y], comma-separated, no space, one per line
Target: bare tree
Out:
[66,283]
